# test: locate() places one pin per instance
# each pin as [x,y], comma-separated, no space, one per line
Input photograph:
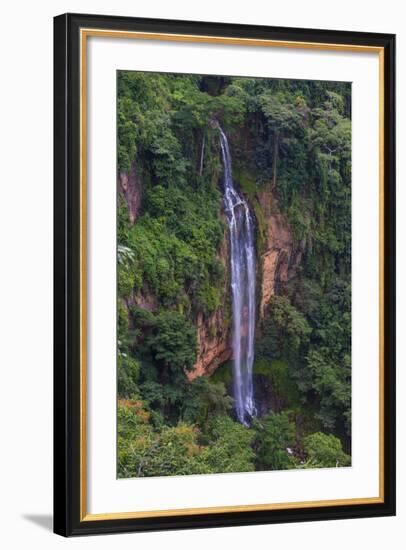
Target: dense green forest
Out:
[291,146]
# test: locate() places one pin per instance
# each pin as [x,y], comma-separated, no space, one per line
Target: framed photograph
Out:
[224,274]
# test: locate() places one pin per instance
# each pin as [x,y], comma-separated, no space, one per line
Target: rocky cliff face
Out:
[214,345]
[214,332]
[280,258]
[130,186]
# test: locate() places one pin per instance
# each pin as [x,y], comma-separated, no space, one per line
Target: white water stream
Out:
[242,252]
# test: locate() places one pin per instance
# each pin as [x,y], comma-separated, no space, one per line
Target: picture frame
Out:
[72,205]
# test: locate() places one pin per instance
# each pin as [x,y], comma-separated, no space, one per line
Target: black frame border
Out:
[67,438]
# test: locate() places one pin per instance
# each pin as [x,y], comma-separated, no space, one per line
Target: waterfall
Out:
[242,254]
[202,156]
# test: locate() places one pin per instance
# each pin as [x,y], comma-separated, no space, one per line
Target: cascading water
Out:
[202,156]
[242,254]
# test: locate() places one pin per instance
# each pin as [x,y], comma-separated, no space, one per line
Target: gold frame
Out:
[84,34]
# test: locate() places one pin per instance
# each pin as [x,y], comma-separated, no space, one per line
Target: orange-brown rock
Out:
[214,331]
[213,345]
[146,301]
[130,186]
[280,259]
